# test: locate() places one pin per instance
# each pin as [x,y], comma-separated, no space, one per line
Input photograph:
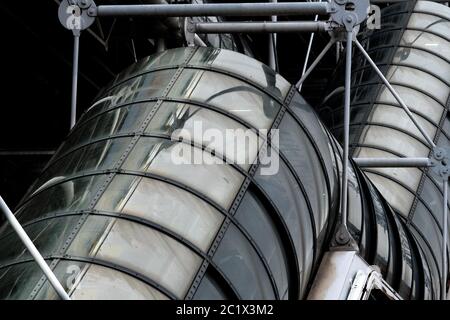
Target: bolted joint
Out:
[75,15]
[343,240]
[441,162]
[349,13]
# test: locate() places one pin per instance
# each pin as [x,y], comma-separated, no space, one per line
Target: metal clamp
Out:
[441,162]
[76,15]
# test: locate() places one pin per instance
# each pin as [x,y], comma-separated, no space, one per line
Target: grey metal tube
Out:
[395,94]
[73,109]
[315,63]
[308,53]
[392,162]
[273,44]
[253,27]
[348,84]
[33,251]
[217,9]
[444,243]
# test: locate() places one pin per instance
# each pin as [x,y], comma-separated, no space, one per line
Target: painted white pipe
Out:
[33,250]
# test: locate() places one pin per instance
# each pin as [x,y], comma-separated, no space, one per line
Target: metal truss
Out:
[345,18]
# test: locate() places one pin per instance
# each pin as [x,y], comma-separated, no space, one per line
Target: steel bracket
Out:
[348,14]
[189,31]
[440,160]
[76,15]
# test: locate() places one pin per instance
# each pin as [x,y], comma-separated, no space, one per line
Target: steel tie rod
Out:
[348,83]
[33,250]
[315,63]
[395,94]
[216,9]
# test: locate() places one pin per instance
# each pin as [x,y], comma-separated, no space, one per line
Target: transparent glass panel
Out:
[219,133]
[382,251]
[252,215]
[242,266]
[209,289]
[398,142]
[430,23]
[68,273]
[428,41]
[101,283]
[433,197]
[90,236]
[435,65]
[244,66]
[424,222]
[229,94]
[19,281]
[397,118]
[420,80]
[168,58]
[316,130]
[432,267]
[188,165]
[146,86]
[299,151]
[126,119]
[71,195]
[287,196]
[97,156]
[406,282]
[48,236]
[148,252]
[164,204]
[432,8]
[397,196]
[415,100]
[355,210]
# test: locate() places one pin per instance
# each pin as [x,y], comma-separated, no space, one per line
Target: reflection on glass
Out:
[242,266]
[227,93]
[188,165]
[101,283]
[244,66]
[165,205]
[217,132]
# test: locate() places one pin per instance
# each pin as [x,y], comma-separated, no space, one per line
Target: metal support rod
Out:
[34,252]
[395,94]
[348,83]
[273,63]
[213,9]
[392,162]
[444,243]
[253,27]
[315,63]
[308,53]
[76,51]
[198,41]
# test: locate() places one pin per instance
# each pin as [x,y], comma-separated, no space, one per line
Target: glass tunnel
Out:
[116,217]
[412,49]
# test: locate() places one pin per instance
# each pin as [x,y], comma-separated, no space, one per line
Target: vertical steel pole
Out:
[273,45]
[444,243]
[348,80]
[33,250]
[76,51]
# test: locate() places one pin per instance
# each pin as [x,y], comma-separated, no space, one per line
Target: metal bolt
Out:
[439,154]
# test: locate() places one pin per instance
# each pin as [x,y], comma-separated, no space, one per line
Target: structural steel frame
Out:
[343,25]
